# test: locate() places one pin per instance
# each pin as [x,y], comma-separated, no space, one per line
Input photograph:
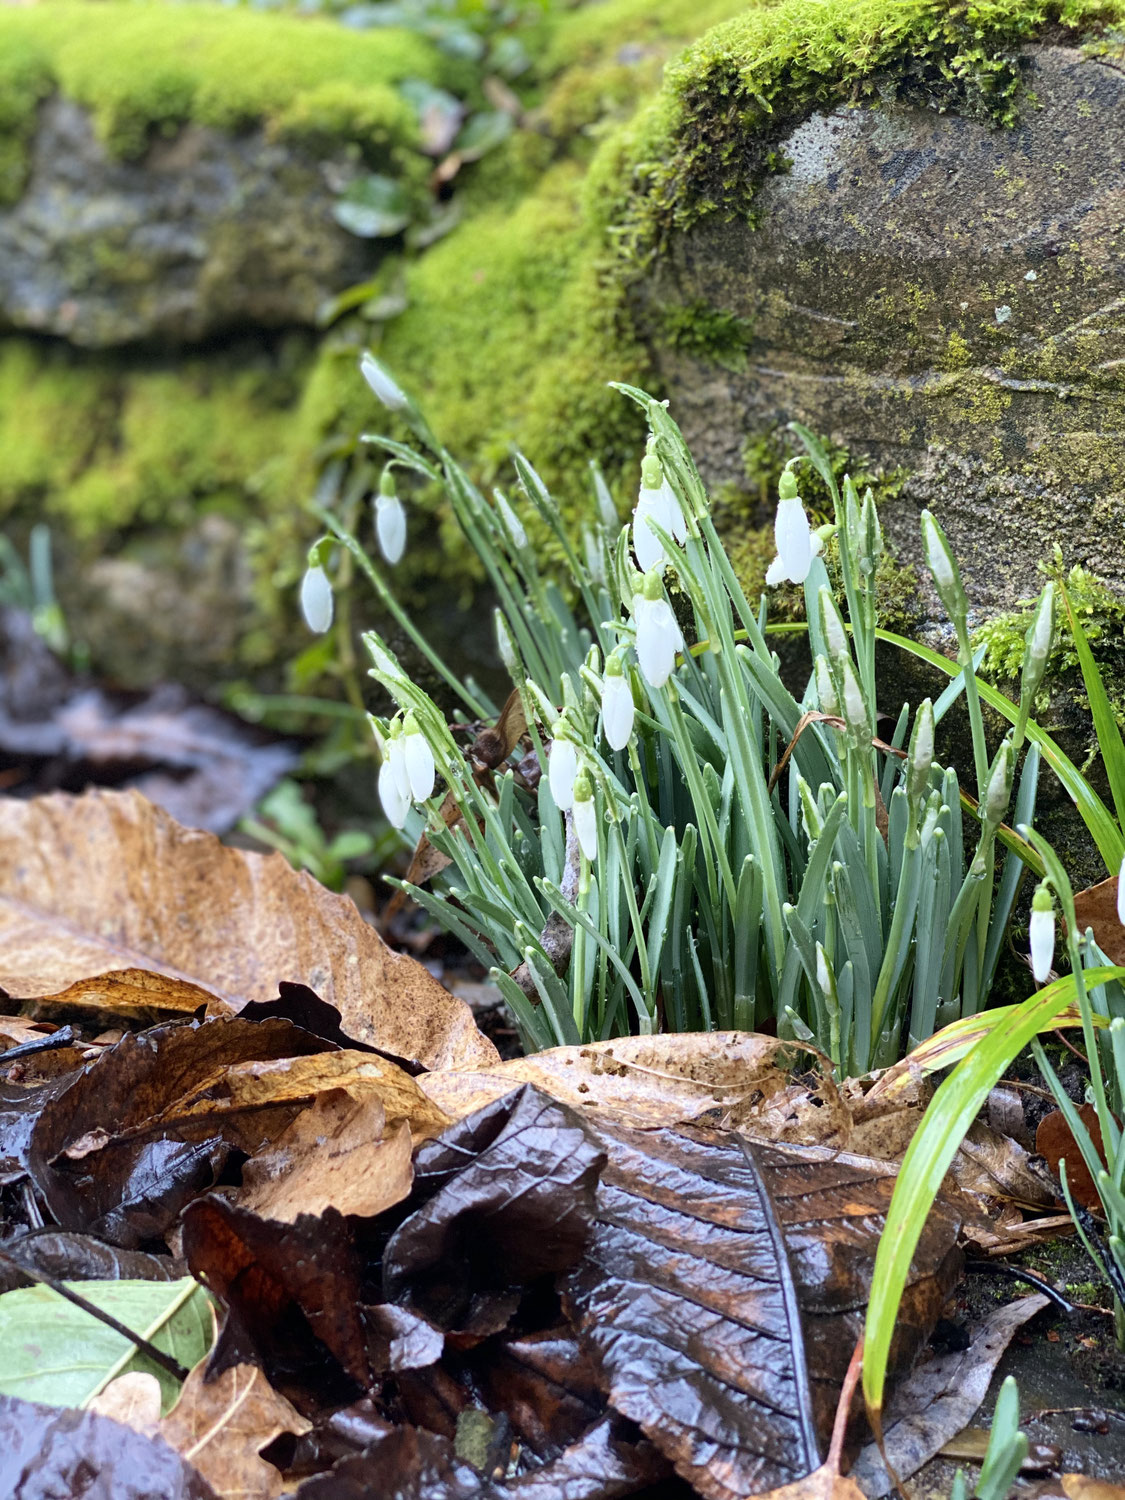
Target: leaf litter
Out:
[630,1267]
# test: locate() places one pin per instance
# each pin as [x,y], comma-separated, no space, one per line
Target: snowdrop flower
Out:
[797,543]
[658,635]
[390,520]
[316,599]
[1042,932]
[585,816]
[418,760]
[656,502]
[1121,894]
[618,710]
[562,768]
[382,383]
[394,778]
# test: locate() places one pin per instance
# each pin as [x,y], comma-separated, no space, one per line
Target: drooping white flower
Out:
[1042,933]
[316,599]
[657,502]
[390,527]
[585,814]
[658,635]
[394,779]
[418,760]
[618,710]
[1121,894]
[380,380]
[797,544]
[562,768]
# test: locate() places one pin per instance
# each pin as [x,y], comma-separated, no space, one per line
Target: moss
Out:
[750,79]
[708,333]
[1101,613]
[169,65]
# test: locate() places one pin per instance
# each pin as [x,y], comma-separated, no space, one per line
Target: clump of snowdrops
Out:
[671,839]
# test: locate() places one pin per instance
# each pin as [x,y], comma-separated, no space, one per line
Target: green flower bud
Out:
[943,567]
[920,756]
[998,792]
[787,484]
[1037,646]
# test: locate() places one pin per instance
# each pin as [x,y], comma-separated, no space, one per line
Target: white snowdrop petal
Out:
[395,805]
[420,769]
[658,640]
[382,383]
[316,600]
[390,527]
[1042,933]
[397,757]
[649,552]
[562,768]
[775,573]
[791,533]
[585,816]
[617,712]
[671,514]
[1121,894]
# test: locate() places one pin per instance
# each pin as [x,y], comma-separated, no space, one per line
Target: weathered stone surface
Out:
[209,233]
[946,297]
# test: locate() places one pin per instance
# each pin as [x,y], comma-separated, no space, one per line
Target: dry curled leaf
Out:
[1096,907]
[221,1426]
[106,882]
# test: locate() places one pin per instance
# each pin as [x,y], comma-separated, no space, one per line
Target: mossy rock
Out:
[910,214]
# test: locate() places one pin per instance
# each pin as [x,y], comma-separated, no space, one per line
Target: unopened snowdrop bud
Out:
[390,520]
[378,377]
[418,759]
[658,635]
[998,792]
[1121,894]
[595,557]
[871,536]
[394,778]
[562,768]
[835,636]
[1037,646]
[854,705]
[826,688]
[316,598]
[792,535]
[618,710]
[585,813]
[1042,932]
[920,756]
[943,566]
[511,522]
[506,645]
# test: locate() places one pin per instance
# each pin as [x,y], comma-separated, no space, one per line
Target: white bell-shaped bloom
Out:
[316,599]
[562,768]
[658,635]
[585,814]
[1042,933]
[394,781]
[618,711]
[1121,894]
[797,543]
[417,760]
[380,380]
[657,502]
[390,527]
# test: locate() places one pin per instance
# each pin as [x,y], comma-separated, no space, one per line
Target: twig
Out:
[150,1351]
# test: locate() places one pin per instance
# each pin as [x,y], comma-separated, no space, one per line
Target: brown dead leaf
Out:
[364,1076]
[132,995]
[132,1399]
[642,1081]
[1096,907]
[107,882]
[220,1428]
[1054,1141]
[1074,1487]
[334,1155]
[825,1483]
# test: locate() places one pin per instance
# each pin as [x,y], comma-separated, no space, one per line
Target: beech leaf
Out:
[107,882]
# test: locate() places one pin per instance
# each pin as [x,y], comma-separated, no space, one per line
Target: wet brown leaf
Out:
[133,1400]
[665,1080]
[106,882]
[47,1452]
[334,1155]
[940,1398]
[221,1426]
[1054,1141]
[132,995]
[1074,1487]
[722,1293]
[1096,907]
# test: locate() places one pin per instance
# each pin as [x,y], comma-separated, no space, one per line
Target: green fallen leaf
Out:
[56,1353]
[373,207]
